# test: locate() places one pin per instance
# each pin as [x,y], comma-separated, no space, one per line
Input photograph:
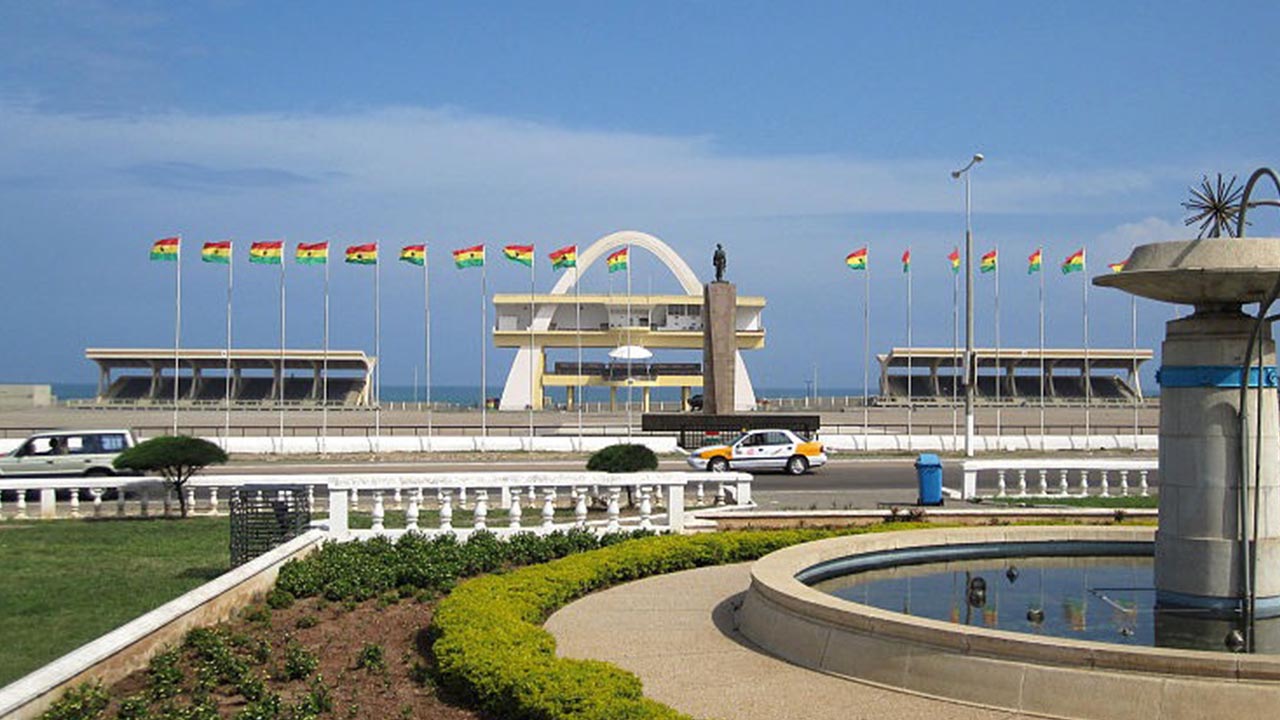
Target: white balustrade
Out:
[1085,468]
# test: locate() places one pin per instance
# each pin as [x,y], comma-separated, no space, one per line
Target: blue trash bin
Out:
[929,479]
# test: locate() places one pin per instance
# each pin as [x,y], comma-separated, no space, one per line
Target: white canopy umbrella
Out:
[630,352]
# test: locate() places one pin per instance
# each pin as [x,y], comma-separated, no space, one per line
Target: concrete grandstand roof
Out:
[1098,358]
[354,360]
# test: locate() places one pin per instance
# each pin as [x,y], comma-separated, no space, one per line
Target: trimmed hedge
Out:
[490,647]
[623,458]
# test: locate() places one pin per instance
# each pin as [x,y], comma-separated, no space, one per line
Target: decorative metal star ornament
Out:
[1215,205]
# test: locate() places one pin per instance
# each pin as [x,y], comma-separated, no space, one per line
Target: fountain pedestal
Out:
[1201,556]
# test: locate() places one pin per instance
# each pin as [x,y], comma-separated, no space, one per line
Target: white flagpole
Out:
[1042,378]
[1133,321]
[377,351]
[955,355]
[280,394]
[910,404]
[426,321]
[324,360]
[577,312]
[629,343]
[226,420]
[484,331]
[177,331]
[532,289]
[999,370]
[866,349]
[1088,384]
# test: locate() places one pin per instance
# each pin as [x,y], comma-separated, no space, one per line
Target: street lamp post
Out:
[970,371]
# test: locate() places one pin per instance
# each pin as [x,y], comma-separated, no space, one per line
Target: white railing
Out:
[501,502]
[1060,477]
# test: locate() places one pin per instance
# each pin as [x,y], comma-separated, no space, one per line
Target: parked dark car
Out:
[695,403]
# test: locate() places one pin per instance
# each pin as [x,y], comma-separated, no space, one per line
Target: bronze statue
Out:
[719,261]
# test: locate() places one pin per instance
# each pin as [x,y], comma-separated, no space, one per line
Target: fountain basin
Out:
[1212,271]
[1055,677]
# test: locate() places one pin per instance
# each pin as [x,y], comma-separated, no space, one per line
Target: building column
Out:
[644,398]
[155,381]
[236,373]
[685,391]
[196,377]
[315,381]
[613,398]
[104,380]
[570,397]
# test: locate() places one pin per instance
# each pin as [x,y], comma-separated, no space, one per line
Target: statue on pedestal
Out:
[718,259]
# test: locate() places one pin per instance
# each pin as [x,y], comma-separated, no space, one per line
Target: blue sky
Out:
[792,133]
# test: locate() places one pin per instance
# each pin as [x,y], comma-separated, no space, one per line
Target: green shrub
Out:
[623,458]
[279,599]
[371,658]
[489,646]
[83,702]
[299,662]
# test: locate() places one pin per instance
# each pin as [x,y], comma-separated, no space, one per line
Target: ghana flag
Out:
[469,257]
[954,258]
[1118,267]
[1034,261]
[166,249]
[269,252]
[906,261]
[216,252]
[989,262]
[522,254]
[565,257]
[857,260]
[416,254]
[312,253]
[618,260]
[366,254]
[1074,262]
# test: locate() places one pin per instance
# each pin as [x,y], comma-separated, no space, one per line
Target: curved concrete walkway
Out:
[676,632]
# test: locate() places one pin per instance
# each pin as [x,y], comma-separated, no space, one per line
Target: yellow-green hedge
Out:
[490,646]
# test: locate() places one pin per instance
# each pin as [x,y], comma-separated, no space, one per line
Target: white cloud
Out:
[1124,237]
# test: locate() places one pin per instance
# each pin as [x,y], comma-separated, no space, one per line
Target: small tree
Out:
[623,458]
[177,459]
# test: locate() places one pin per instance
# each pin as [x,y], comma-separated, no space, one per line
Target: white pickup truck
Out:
[67,452]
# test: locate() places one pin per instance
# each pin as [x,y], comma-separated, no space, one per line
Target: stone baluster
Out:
[549,509]
[2,517]
[1063,489]
[167,500]
[462,498]
[1124,483]
[446,511]
[613,525]
[1106,490]
[1084,483]
[120,502]
[699,498]
[514,512]
[1143,489]
[1022,483]
[379,511]
[1044,482]
[719,494]
[411,514]
[213,501]
[533,495]
[646,508]
[397,500]
[1000,485]
[311,498]
[97,502]
[482,509]
[144,501]
[75,502]
[22,505]
[580,509]
[355,500]
[191,499]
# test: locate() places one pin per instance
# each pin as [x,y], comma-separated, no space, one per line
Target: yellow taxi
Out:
[761,450]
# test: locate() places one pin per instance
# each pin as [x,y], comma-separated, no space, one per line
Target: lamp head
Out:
[977,157]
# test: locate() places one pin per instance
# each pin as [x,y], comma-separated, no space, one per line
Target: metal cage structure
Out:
[264,517]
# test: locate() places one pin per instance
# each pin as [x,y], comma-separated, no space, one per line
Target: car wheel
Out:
[797,465]
[718,464]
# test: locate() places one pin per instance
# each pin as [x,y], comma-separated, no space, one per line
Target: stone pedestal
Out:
[719,347]
[1199,559]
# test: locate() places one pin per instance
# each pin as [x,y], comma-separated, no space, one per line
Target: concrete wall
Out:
[23,397]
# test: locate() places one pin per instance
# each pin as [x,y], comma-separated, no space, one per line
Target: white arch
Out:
[516,395]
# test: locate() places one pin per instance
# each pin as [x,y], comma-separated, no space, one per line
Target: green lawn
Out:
[67,582]
[1093,501]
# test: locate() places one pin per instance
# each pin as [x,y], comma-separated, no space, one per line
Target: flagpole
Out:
[866,351]
[577,312]
[226,421]
[1088,384]
[324,360]
[280,394]
[177,331]
[1133,321]
[484,329]
[1042,378]
[426,321]
[377,351]
[999,370]
[629,381]
[532,290]
[910,404]
[955,355]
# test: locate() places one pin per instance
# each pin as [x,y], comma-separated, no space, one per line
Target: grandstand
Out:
[937,375]
[145,377]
